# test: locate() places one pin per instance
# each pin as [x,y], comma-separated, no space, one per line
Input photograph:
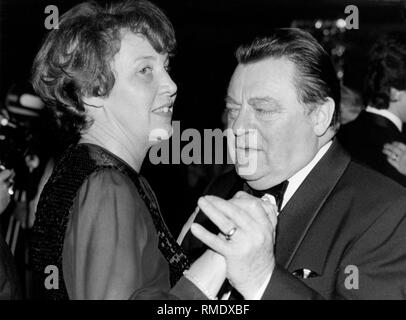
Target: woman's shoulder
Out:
[110,181]
[108,200]
[110,176]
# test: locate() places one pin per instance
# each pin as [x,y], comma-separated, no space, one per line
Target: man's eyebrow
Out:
[231,100]
[262,100]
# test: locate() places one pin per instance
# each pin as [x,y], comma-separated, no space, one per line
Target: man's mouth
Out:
[164,110]
[247,149]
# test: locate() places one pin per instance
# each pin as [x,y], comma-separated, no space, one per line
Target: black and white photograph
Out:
[231,152]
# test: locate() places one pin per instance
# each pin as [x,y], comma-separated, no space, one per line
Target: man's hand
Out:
[6,176]
[249,251]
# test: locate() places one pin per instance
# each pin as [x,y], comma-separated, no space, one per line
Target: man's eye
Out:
[264,111]
[233,112]
[146,70]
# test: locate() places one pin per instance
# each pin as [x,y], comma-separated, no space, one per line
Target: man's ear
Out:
[322,116]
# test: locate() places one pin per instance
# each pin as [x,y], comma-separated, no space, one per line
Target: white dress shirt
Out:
[386,114]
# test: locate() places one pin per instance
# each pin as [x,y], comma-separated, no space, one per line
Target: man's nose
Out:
[241,123]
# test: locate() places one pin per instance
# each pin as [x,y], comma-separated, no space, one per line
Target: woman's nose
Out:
[169,86]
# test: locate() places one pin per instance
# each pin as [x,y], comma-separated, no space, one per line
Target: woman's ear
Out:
[322,116]
[394,94]
[95,102]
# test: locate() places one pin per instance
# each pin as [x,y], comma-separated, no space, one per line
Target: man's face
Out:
[262,96]
[141,99]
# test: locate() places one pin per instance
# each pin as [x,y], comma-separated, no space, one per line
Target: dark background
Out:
[208,32]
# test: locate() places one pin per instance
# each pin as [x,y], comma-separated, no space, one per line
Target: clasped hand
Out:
[249,249]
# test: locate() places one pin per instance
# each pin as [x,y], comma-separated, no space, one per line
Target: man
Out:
[341,227]
[381,122]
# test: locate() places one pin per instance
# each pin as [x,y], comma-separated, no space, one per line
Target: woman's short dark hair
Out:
[386,70]
[316,78]
[74,60]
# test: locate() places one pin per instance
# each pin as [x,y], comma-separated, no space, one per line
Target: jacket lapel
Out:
[299,213]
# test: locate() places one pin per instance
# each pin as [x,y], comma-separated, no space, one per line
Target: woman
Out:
[104,73]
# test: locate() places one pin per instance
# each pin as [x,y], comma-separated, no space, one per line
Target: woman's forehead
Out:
[135,47]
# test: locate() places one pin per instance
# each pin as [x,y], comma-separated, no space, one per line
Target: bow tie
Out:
[277,191]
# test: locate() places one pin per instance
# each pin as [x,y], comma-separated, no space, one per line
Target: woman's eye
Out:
[146,70]
[167,68]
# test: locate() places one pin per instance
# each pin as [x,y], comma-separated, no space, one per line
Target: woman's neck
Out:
[131,152]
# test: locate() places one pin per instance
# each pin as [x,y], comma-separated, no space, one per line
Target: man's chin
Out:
[246,162]
[261,182]
[246,172]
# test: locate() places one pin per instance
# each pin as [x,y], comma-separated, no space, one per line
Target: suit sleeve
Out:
[374,267]
[186,290]
[183,290]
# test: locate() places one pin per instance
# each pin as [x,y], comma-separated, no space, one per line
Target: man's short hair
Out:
[315,79]
[75,59]
[386,70]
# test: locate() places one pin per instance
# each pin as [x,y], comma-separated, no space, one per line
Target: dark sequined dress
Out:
[98,222]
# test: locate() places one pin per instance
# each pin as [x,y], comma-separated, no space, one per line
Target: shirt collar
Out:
[296,180]
[387,114]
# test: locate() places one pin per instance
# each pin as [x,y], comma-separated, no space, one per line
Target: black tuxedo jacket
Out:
[364,138]
[342,215]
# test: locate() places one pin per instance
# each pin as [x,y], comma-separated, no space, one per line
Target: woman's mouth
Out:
[164,111]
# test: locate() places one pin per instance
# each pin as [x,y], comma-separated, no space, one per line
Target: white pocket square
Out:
[304,273]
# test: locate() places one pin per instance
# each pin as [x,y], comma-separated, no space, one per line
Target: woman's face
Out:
[141,100]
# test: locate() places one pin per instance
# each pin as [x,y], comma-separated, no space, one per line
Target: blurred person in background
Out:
[6,177]
[351,105]
[9,282]
[385,98]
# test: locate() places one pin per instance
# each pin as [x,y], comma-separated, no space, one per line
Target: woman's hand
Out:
[396,155]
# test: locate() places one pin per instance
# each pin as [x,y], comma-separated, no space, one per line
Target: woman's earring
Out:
[394,95]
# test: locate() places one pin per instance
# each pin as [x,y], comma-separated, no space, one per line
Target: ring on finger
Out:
[230,233]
